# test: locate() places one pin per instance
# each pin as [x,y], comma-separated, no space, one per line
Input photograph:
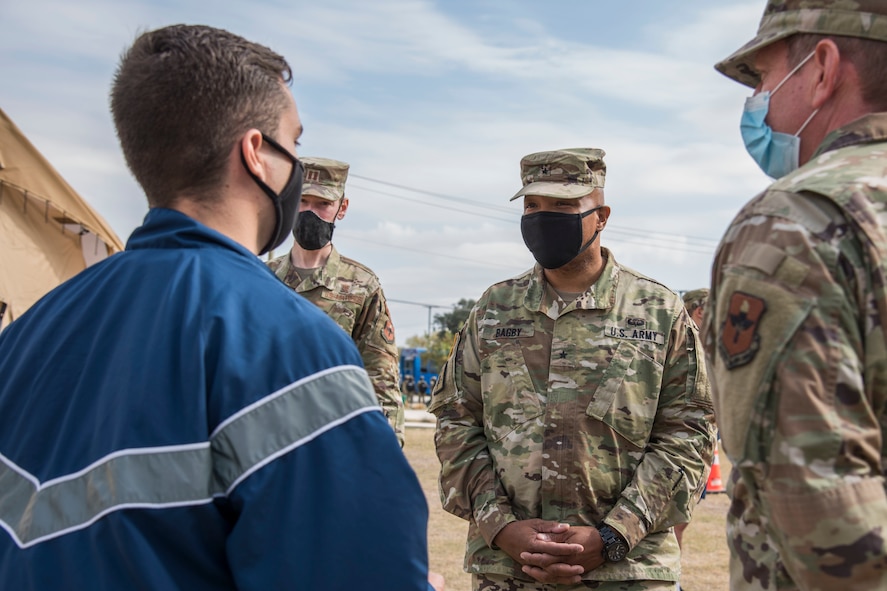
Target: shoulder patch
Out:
[740,340]
[388,330]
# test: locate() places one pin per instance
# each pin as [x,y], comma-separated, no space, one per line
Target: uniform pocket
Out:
[627,396]
[510,400]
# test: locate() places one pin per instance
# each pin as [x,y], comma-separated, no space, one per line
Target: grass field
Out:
[705,550]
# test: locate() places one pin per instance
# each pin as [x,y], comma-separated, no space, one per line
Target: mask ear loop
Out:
[585,214]
[338,209]
[789,75]
[792,73]
[813,114]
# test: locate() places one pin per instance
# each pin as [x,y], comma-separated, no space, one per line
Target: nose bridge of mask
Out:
[758,103]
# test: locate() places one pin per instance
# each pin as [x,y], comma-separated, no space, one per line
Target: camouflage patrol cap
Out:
[866,19]
[695,298]
[324,178]
[570,173]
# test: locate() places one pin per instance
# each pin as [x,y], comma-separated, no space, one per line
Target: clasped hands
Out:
[552,552]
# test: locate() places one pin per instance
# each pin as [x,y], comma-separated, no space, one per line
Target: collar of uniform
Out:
[867,129]
[170,228]
[328,274]
[599,296]
[281,267]
[325,275]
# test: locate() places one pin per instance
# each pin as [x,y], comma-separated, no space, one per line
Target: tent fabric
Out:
[48,233]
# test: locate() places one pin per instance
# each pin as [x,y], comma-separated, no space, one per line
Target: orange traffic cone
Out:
[714,484]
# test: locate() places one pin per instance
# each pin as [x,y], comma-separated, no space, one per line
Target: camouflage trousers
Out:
[494,582]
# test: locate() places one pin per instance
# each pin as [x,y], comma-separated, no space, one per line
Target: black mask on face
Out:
[555,238]
[286,205]
[311,232]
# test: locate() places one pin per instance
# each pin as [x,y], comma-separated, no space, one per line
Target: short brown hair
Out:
[868,56]
[183,95]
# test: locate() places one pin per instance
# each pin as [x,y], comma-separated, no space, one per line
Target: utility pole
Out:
[429,306]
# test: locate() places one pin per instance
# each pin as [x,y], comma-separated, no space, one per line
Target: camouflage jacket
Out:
[598,410]
[795,334]
[351,294]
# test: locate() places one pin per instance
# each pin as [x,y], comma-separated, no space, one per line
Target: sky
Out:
[433,103]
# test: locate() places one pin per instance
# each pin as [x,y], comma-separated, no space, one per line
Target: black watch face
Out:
[616,552]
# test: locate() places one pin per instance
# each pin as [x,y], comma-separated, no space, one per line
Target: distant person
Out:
[431,384]
[422,388]
[409,385]
[694,302]
[796,331]
[349,292]
[162,424]
[574,421]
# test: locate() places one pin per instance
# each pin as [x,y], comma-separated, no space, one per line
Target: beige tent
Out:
[48,233]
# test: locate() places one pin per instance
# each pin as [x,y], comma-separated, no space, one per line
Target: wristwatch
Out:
[615,547]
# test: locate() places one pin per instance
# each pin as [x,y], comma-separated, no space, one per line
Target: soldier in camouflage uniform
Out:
[346,290]
[796,326]
[694,302]
[574,417]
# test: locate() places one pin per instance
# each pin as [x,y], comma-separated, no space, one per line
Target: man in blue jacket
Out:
[162,424]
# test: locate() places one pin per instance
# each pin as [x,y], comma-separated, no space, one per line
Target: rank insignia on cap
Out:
[740,340]
[311,175]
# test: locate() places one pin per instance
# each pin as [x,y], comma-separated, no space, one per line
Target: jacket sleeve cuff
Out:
[632,527]
[491,517]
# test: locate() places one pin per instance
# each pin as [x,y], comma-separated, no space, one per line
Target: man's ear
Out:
[343,207]
[603,214]
[827,61]
[250,144]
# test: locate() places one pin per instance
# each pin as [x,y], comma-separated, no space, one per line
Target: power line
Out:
[437,254]
[429,306]
[646,239]
[426,203]
[472,202]
[706,242]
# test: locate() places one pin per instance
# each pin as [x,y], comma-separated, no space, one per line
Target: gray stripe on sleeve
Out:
[32,512]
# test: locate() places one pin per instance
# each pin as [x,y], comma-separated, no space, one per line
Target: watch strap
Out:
[610,539]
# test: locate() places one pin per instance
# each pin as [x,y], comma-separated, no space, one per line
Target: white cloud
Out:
[446,101]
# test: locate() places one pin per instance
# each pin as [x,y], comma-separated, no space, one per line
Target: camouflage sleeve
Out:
[670,478]
[800,405]
[374,335]
[469,487]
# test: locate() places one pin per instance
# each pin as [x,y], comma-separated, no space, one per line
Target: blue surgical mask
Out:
[776,153]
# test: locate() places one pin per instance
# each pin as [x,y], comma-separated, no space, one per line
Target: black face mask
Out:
[286,205]
[555,238]
[311,232]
